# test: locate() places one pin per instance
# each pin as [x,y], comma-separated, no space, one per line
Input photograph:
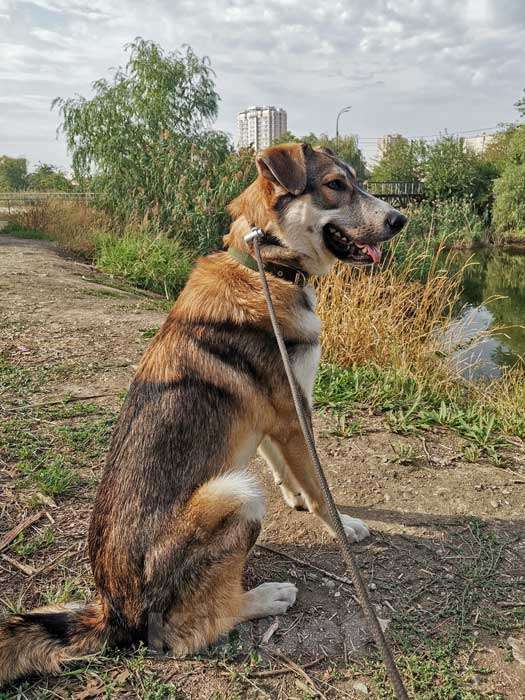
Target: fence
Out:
[13,200]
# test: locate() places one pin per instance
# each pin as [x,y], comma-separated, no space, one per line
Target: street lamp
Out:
[342,111]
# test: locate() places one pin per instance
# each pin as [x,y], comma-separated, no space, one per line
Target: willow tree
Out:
[144,143]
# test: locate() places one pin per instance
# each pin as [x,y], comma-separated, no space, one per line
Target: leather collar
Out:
[286,273]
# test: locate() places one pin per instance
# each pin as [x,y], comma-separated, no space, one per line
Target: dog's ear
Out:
[327,150]
[285,165]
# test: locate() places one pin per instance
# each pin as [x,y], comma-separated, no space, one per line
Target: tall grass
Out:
[383,341]
[72,224]
[387,316]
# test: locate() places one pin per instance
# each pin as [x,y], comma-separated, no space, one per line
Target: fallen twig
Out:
[10,536]
[24,568]
[301,672]
[268,673]
[309,565]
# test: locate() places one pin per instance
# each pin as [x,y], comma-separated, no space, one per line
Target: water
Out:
[493,296]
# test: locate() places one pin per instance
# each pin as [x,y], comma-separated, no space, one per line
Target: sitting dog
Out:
[176,512]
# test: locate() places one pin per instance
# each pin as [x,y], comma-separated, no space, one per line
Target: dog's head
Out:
[308,200]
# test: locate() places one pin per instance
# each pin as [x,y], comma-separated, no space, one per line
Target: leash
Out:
[348,556]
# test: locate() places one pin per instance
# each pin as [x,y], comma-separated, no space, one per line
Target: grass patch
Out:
[156,263]
[411,404]
[49,444]
[25,546]
[14,229]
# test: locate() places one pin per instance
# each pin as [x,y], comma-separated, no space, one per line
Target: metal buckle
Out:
[300,279]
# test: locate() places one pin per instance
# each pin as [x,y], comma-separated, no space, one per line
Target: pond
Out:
[493,296]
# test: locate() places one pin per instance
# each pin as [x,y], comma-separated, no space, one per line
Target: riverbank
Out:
[442,564]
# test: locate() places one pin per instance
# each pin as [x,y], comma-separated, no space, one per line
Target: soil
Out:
[448,536]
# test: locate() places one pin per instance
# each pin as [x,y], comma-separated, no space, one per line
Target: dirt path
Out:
[445,563]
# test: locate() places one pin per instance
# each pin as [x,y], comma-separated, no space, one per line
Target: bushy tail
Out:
[40,641]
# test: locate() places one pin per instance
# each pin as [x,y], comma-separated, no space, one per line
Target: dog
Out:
[177,513]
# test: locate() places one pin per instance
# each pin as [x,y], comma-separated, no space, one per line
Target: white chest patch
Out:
[305,363]
[306,359]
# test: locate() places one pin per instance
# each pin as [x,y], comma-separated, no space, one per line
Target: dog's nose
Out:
[396,220]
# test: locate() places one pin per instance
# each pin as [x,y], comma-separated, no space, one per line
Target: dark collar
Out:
[282,272]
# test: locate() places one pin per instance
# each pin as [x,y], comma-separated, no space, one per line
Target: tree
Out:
[507,146]
[48,178]
[400,160]
[145,137]
[13,172]
[453,171]
[509,199]
[347,148]
[287,137]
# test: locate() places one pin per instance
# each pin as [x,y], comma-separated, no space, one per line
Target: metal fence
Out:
[14,200]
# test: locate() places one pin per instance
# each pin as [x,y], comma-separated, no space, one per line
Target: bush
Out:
[453,171]
[149,261]
[509,200]
[451,221]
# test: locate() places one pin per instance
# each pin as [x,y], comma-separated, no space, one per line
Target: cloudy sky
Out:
[415,67]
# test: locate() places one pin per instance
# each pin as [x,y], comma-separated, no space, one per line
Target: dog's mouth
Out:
[344,248]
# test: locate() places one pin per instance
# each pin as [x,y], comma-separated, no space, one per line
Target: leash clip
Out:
[254,233]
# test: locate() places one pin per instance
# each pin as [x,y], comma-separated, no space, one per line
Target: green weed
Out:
[25,546]
[152,262]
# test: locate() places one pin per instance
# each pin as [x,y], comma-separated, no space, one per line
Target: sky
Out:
[415,67]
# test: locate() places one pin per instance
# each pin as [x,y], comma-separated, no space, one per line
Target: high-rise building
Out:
[384,142]
[259,126]
[478,143]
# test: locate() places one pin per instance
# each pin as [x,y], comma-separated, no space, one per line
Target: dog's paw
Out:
[293,499]
[355,529]
[273,598]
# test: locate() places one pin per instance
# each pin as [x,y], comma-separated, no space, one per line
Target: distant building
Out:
[478,143]
[259,126]
[384,142]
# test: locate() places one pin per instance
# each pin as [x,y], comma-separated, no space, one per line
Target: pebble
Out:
[360,688]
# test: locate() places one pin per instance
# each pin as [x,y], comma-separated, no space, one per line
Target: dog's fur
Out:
[176,513]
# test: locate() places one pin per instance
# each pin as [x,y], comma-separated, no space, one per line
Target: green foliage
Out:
[149,261]
[401,160]
[48,178]
[453,171]
[13,229]
[347,148]
[144,136]
[507,147]
[13,172]
[453,221]
[287,137]
[509,200]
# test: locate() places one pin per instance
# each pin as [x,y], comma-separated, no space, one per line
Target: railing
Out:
[397,190]
[23,198]
[394,188]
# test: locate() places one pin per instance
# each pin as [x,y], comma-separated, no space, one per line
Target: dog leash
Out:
[359,585]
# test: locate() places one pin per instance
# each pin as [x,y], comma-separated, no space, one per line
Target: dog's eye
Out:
[336,185]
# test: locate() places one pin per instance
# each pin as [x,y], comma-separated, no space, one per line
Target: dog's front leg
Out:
[291,490]
[295,474]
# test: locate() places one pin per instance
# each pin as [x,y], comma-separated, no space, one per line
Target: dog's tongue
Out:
[373,251]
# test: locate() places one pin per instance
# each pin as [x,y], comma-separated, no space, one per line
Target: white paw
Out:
[273,598]
[355,529]
[294,500]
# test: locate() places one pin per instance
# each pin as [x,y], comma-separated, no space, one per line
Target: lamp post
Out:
[342,111]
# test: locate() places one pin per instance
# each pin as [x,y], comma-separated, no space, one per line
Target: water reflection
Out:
[493,296]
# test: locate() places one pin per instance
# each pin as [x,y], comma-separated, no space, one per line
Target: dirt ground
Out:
[445,563]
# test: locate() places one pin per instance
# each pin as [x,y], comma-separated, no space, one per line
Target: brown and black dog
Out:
[176,511]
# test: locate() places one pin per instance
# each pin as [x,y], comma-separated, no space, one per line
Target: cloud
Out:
[409,66]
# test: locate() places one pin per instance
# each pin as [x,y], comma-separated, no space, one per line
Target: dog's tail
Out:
[40,641]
